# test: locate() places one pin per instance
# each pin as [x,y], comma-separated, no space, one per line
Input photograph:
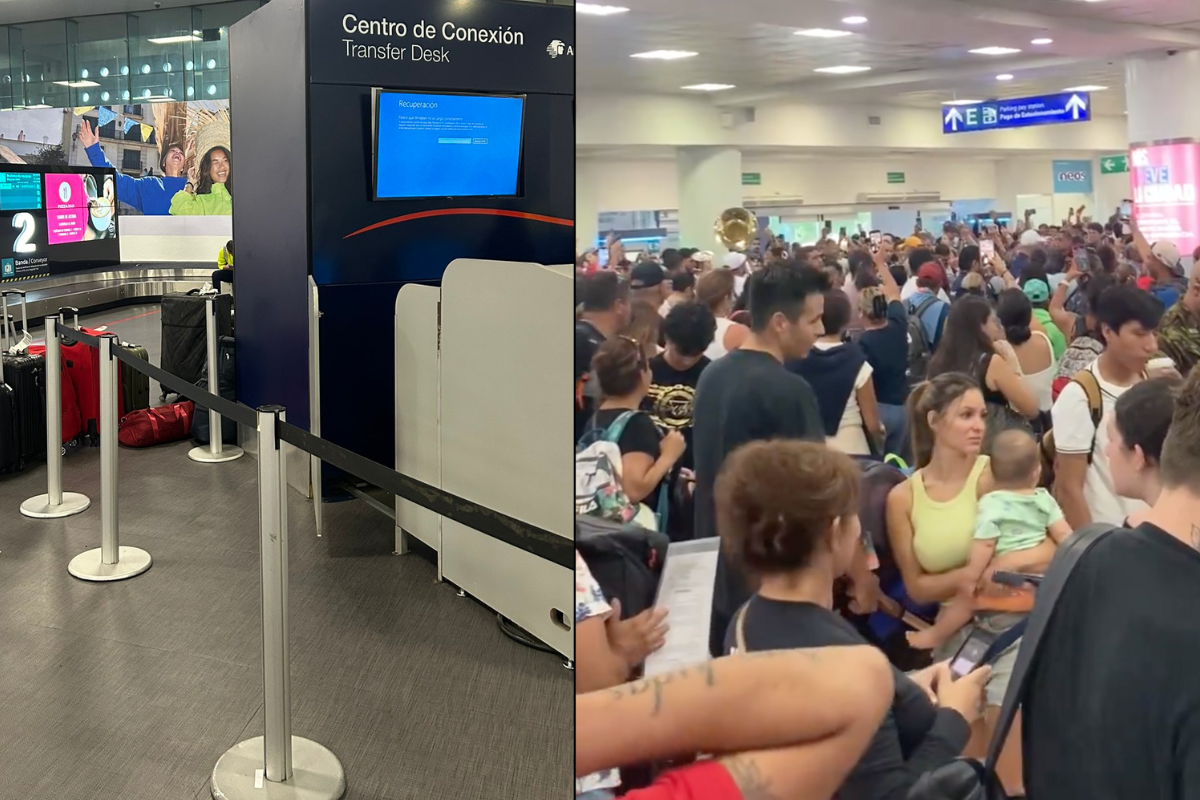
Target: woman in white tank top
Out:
[1032,348]
[715,290]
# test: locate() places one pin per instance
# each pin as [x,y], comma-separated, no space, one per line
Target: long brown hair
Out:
[934,395]
[205,183]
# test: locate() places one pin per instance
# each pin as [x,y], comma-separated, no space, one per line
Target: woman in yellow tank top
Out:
[931,525]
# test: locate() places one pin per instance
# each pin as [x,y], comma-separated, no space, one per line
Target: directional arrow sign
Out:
[1018,112]
[1110,165]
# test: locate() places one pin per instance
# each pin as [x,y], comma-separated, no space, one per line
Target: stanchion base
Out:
[316,773]
[39,507]
[131,561]
[228,452]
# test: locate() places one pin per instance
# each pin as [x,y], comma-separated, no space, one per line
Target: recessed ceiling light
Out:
[841,70]
[1085,88]
[1004,77]
[994,51]
[665,55]
[708,87]
[599,11]
[187,37]
[1043,40]
[960,102]
[76,84]
[854,20]
[823,33]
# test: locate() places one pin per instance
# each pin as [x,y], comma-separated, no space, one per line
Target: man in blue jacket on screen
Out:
[150,195]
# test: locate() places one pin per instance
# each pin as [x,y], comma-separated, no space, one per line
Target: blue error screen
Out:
[447,145]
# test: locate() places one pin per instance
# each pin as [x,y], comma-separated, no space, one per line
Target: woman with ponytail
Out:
[931,522]
[1035,353]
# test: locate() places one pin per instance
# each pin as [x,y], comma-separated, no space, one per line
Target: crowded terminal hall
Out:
[886,400]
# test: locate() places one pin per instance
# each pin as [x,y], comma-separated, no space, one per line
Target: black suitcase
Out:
[26,376]
[227,383]
[626,560]
[135,386]
[185,332]
[10,449]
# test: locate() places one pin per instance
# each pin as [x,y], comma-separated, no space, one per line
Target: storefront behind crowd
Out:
[873,428]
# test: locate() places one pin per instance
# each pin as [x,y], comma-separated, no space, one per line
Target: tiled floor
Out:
[133,690]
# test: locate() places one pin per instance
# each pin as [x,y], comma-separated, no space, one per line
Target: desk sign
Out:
[1017,112]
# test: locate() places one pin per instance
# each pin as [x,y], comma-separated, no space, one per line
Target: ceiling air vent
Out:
[874,120]
[892,198]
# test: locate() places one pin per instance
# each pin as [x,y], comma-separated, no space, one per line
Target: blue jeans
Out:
[895,421]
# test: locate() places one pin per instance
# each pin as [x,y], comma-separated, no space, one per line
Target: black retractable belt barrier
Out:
[510,530]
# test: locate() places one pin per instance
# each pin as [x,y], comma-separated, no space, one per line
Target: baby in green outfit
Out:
[1013,519]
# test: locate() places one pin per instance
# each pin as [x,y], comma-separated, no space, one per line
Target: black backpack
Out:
[920,349]
[625,559]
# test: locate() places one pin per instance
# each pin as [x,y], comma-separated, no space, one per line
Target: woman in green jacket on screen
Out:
[212,194]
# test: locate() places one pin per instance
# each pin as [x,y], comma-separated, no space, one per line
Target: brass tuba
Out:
[735,228]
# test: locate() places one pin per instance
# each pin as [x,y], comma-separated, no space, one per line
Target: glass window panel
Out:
[44,67]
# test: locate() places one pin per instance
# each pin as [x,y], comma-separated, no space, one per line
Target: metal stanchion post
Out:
[110,561]
[294,767]
[55,502]
[216,452]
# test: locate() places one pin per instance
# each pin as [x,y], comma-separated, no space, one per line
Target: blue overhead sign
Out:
[1017,112]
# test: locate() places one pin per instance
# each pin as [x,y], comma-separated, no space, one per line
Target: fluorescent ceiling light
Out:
[76,84]
[665,55]
[155,97]
[841,70]
[1043,40]
[709,87]
[994,51]
[186,37]
[1085,88]
[599,11]
[1004,77]
[39,105]
[960,102]
[854,20]
[823,33]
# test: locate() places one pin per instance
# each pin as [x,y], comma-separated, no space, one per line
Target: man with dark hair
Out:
[648,284]
[675,372]
[671,259]
[1113,691]
[1127,318]
[923,258]
[683,290]
[1095,234]
[604,299]
[749,395]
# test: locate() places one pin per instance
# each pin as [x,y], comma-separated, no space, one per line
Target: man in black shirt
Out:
[1113,707]
[605,300]
[675,372]
[749,395]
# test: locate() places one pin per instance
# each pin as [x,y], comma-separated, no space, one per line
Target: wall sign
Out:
[1017,112]
[895,177]
[1072,177]
[1164,179]
[751,179]
[1111,165]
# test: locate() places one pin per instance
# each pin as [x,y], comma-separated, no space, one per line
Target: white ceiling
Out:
[917,49]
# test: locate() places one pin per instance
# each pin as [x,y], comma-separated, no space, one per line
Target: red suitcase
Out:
[151,426]
[81,364]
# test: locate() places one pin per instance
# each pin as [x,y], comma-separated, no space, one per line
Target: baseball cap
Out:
[1166,252]
[646,275]
[1030,238]
[702,256]
[931,272]
[734,260]
[913,242]
[1037,290]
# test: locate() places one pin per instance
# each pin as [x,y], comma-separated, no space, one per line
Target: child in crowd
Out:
[1013,521]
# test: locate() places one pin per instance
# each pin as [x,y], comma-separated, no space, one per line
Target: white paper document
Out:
[686,591]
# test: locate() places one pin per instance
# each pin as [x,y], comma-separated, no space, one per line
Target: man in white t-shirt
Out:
[1128,319]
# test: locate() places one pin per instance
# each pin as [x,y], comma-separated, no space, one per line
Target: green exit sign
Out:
[1110,165]
[895,177]
[751,179]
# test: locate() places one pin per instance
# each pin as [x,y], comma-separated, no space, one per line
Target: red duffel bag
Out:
[151,426]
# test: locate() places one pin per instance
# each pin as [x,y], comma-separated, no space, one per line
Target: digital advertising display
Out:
[447,145]
[1163,178]
[55,220]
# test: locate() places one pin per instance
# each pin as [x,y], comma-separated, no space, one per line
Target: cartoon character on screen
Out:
[101,208]
[209,190]
[149,195]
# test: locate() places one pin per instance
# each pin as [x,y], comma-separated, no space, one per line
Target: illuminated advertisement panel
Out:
[1164,177]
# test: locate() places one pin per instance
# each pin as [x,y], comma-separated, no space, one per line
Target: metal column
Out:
[216,452]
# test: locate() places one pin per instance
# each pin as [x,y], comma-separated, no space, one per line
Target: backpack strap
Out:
[1065,560]
[739,628]
[1095,400]
[617,428]
[920,308]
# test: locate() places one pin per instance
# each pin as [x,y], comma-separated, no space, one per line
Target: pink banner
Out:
[1164,178]
[66,208]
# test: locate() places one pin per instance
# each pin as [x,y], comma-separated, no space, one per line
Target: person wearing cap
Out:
[648,284]
[702,260]
[687,258]
[1179,330]
[1163,263]
[1038,292]
[736,263]
[916,260]
[928,303]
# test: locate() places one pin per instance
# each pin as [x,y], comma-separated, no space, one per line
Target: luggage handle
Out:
[73,310]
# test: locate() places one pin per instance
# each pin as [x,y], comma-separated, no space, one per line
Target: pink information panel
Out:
[1164,178]
[66,208]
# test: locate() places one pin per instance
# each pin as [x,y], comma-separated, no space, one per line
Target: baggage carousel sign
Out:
[1017,112]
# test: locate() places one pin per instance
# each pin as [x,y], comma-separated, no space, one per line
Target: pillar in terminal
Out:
[587,212]
[1165,175]
[710,181]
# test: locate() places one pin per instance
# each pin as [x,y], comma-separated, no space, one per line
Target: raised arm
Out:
[1064,320]
[891,290]
[1004,379]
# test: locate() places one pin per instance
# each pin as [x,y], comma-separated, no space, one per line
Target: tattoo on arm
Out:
[752,784]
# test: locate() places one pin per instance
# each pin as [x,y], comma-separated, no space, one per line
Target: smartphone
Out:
[876,240]
[987,249]
[1126,209]
[971,654]
[1082,261]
